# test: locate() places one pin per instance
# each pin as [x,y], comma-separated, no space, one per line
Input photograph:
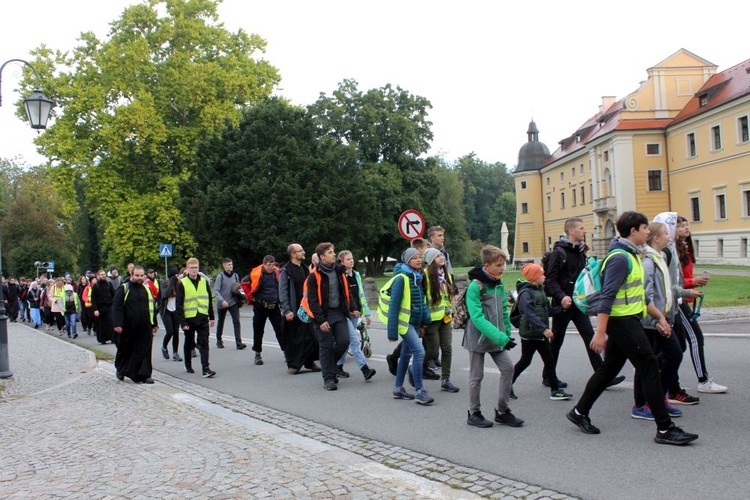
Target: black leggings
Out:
[528,348]
[172,327]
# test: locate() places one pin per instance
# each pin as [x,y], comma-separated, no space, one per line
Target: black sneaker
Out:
[674,435]
[165,352]
[258,359]
[430,375]
[512,394]
[583,422]
[476,419]
[617,380]
[368,372]
[560,383]
[220,344]
[208,373]
[507,418]
[241,346]
[392,363]
[189,369]
[683,398]
[119,376]
[340,372]
[330,385]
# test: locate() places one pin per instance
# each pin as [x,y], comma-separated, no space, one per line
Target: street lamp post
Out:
[38,108]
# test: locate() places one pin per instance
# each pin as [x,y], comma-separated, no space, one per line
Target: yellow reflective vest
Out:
[437,313]
[151,316]
[631,297]
[384,304]
[196,299]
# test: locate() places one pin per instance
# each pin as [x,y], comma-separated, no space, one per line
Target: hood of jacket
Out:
[624,244]
[565,243]
[478,273]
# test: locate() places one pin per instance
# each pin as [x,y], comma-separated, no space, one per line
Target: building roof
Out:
[718,90]
[532,155]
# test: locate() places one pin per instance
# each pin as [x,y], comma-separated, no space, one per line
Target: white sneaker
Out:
[712,387]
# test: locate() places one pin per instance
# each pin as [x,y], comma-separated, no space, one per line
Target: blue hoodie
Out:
[420,313]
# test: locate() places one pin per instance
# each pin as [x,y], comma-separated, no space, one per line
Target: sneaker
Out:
[683,398]
[340,372]
[674,435]
[583,422]
[431,366]
[512,394]
[176,357]
[189,369]
[560,395]
[368,372]
[400,393]
[165,352]
[615,381]
[220,344]
[642,412]
[430,375]
[424,398]
[711,387]
[507,418]
[560,383]
[292,370]
[476,419]
[392,363]
[258,360]
[241,346]
[673,412]
[330,385]
[208,373]
[447,386]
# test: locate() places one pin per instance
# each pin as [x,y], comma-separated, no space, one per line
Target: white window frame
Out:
[524,208]
[549,203]
[717,211]
[523,184]
[688,153]
[661,180]
[745,200]
[657,144]
[695,196]
[525,247]
[739,129]
[712,138]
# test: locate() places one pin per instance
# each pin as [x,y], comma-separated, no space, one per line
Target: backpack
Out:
[515,313]
[458,306]
[546,259]
[589,284]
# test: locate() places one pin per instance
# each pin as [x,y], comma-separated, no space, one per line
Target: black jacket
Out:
[562,271]
[320,310]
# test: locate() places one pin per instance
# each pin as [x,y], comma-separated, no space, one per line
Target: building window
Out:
[742,129]
[580,169]
[653,149]
[548,181]
[654,180]
[746,199]
[549,204]
[524,208]
[716,138]
[695,206]
[574,197]
[583,196]
[523,184]
[697,245]
[720,247]
[573,172]
[606,156]
[525,247]
[721,207]
[562,200]
[591,191]
[702,100]
[562,176]
[743,248]
[691,152]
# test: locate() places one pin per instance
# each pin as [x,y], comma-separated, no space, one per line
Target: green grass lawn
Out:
[722,291]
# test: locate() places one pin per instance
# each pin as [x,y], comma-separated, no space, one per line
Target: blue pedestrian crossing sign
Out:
[165,250]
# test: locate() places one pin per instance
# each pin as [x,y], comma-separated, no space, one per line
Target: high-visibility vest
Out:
[631,297]
[384,304]
[196,299]
[438,312]
[306,305]
[126,286]
[86,296]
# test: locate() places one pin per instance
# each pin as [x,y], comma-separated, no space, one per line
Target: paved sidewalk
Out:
[70,429]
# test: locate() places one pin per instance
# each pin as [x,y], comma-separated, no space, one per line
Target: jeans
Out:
[70,324]
[411,346]
[22,305]
[476,374]
[669,357]
[354,345]
[626,341]
[234,311]
[36,316]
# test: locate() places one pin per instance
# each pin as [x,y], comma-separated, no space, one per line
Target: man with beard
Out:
[102,295]
[134,320]
[301,347]
[11,293]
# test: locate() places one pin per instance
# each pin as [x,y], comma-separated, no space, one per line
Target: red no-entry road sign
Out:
[411,225]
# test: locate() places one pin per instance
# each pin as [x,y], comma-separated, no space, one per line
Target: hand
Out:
[599,342]
[224,304]
[548,333]
[566,302]
[356,314]
[96,313]
[154,329]
[663,327]
[211,323]
[289,316]
[695,293]
[325,327]
[368,320]
[185,327]
[510,344]
[118,329]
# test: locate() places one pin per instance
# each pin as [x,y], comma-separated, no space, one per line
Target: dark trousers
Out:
[626,341]
[260,315]
[234,311]
[528,348]
[197,326]
[669,357]
[172,327]
[690,332]
[585,330]
[87,318]
[333,345]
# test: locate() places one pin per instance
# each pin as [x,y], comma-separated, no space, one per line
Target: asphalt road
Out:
[622,462]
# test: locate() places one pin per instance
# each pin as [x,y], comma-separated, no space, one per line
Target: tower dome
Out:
[533,154]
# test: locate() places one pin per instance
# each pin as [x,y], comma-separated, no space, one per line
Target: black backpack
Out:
[546,259]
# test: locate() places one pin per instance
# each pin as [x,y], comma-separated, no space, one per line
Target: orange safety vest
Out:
[306,305]
[255,276]
[86,296]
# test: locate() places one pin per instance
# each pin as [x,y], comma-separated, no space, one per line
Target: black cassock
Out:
[133,358]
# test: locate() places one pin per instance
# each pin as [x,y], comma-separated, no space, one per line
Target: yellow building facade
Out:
[635,154]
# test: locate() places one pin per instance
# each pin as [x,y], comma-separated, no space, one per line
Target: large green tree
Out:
[483,184]
[389,129]
[130,110]
[274,180]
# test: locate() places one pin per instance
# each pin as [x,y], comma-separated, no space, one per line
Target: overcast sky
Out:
[486,67]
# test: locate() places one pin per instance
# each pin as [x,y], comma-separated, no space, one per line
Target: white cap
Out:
[68,288]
